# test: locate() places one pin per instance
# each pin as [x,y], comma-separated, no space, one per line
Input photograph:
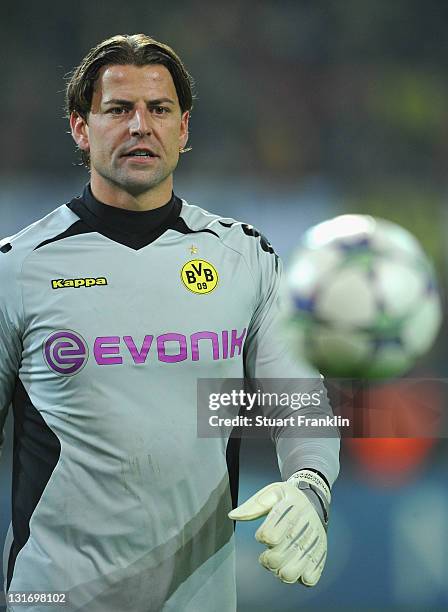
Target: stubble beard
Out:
[138,181]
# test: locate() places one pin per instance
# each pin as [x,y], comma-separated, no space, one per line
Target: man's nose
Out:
[140,124]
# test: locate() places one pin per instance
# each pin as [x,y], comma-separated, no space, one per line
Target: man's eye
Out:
[160,110]
[118,110]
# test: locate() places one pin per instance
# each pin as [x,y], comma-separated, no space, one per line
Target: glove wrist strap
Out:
[312,479]
[308,479]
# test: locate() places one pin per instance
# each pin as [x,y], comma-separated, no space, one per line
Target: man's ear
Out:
[80,131]
[183,137]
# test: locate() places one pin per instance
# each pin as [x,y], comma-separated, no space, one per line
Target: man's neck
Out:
[113,195]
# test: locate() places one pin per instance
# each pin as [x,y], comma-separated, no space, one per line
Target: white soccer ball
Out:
[361,298]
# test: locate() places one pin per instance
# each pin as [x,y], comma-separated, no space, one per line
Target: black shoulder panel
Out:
[180,226]
[249,230]
[79,227]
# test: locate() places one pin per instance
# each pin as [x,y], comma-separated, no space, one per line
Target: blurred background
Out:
[304,110]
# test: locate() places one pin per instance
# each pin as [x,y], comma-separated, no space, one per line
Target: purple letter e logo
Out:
[65,352]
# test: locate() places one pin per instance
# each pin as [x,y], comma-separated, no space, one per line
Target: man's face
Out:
[135,128]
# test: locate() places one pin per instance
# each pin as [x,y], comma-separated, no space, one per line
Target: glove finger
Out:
[304,552]
[259,504]
[284,517]
[274,558]
[281,520]
[291,571]
[305,555]
[307,534]
[313,572]
[302,540]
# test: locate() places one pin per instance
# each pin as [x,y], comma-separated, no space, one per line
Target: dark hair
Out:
[124,49]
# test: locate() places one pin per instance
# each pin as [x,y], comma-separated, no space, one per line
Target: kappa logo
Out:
[199,276]
[76,283]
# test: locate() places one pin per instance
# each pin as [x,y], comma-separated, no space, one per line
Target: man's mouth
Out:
[145,153]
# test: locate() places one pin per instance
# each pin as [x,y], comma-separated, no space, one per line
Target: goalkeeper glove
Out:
[295,528]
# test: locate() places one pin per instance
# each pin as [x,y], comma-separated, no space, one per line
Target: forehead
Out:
[132,82]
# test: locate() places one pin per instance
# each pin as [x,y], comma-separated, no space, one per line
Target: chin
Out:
[136,186]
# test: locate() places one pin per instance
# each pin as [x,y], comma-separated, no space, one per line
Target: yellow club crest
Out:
[199,276]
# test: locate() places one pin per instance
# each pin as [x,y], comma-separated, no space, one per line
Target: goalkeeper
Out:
[111,308]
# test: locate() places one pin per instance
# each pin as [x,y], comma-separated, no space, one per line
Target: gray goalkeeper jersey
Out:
[104,330]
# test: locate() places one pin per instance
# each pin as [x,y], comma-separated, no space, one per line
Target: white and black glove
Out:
[295,528]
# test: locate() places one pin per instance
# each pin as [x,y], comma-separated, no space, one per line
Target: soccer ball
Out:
[361,298]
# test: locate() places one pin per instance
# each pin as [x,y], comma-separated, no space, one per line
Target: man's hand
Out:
[293,532]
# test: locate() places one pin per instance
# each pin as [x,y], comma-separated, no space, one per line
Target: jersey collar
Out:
[135,229]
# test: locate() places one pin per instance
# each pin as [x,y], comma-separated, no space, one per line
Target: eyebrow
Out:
[155,102]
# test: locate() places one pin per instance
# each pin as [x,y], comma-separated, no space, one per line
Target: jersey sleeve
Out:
[10,334]
[267,357]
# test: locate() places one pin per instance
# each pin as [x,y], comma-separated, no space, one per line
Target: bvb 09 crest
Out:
[199,276]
